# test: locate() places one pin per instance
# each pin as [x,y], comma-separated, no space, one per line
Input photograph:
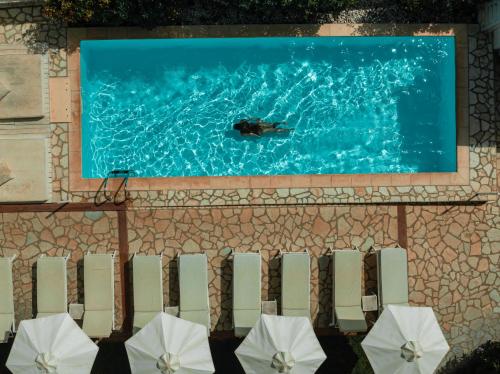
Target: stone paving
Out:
[28,26]
[59,142]
[482,123]
[28,235]
[265,229]
[453,255]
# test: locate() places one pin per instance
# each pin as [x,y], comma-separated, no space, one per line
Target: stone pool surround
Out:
[461,177]
[453,249]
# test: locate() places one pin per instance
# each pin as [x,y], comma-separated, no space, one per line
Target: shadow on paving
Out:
[112,356]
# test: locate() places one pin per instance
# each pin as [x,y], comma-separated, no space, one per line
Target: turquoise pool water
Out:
[166,107]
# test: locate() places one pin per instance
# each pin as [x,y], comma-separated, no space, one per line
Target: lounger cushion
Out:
[347,278]
[350,319]
[41,315]
[148,288]
[51,285]
[347,266]
[244,320]
[98,323]
[6,326]
[246,291]
[295,284]
[6,287]
[141,319]
[98,319]
[197,316]
[393,276]
[193,285]
[6,298]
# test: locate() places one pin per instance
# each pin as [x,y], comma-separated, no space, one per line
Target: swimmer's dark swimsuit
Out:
[249,129]
[257,128]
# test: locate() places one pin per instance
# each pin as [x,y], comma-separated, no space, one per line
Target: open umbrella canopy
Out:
[169,345]
[54,344]
[405,340]
[278,344]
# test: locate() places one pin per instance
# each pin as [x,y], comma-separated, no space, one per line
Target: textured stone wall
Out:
[483,177]
[497,114]
[29,235]
[216,231]
[453,255]
[60,171]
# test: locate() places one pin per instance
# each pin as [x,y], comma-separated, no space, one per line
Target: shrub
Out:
[111,12]
[362,365]
[150,13]
[440,10]
[485,359]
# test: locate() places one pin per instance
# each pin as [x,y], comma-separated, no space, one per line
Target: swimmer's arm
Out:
[250,134]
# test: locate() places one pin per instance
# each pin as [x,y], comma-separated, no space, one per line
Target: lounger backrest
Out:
[193,282]
[247,281]
[7,322]
[347,277]
[6,287]
[99,282]
[392,276]
[295,283]
[147,283]
[51,285]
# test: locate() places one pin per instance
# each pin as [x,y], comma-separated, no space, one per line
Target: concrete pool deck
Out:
[451,233]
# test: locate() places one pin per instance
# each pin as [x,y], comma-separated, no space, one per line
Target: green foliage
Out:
[362,365]
[112,12]
[150,13]
[439,10]
[485,359]
[307,6]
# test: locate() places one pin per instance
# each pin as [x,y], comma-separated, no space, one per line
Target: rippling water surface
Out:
[166,107]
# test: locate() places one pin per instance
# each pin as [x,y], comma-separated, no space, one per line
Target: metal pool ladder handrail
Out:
[117,173]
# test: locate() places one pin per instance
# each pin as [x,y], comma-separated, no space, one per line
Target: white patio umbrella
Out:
[54,344]
[170,345]
[405,340]
[278,344]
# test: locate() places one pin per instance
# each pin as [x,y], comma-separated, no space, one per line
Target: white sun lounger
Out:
[193,285]
[99,291]
[347,312]
[148,288]
[7,321]
[392,277]
[295,284]
[246,291]
[51,286]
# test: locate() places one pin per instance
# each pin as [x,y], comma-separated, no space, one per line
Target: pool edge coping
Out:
[461,177]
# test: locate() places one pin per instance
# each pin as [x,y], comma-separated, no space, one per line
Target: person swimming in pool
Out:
[257,127]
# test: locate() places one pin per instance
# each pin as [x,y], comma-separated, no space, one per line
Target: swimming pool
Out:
[166,107]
